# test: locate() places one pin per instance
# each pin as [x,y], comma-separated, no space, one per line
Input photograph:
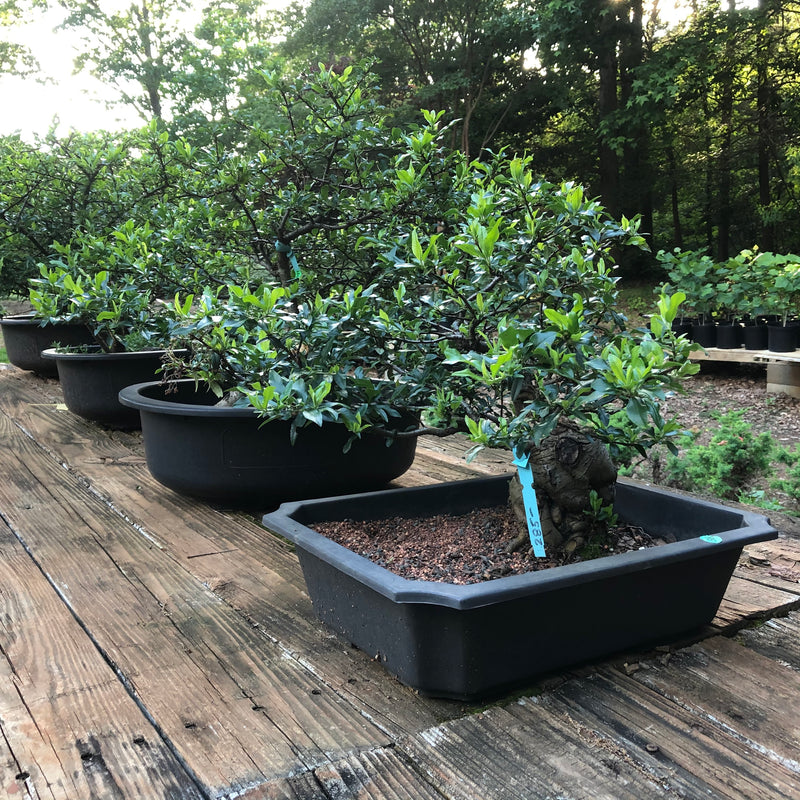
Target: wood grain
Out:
[70,728]
[224,695]
[153,646]
[249,569]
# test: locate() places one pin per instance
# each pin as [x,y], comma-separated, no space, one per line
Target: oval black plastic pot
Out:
[477,641]
[782,338]
[229,456]
[91,382]
[25,337]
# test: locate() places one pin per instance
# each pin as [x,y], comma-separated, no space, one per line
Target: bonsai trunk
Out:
[566,468]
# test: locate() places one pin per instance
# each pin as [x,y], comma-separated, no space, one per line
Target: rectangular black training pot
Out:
[479,640]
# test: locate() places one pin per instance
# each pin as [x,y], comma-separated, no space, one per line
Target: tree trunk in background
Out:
[607,103]
[637,180]
[677,228]
[151,80]
[763,102]
[726,141]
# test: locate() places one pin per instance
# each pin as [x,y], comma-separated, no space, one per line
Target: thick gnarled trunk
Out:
[567,467]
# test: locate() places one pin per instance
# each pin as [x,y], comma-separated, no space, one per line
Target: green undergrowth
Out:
[728,463]
[735,463]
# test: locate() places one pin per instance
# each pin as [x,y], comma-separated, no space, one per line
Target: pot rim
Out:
[27,318]
[95,355]
[752,528]
[132,397]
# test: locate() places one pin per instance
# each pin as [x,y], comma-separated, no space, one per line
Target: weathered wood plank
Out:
[683,748]
[777,639]
[775,563]
[741,356]
[374,775]
[746,600]
[237,559]
[228,700]
[728,686]
[524,751]
[70,728]
[380,774]
[156,550]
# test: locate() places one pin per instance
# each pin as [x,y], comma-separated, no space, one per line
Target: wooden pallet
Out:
[152,646]
[783,369]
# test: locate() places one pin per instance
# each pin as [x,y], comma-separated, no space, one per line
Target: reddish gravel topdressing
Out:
[468,548]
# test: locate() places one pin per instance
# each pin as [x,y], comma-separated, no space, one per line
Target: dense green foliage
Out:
[338,270]
[80,183]
[732,457]
[751,285]
[120,283]
[693,126]
[499,320]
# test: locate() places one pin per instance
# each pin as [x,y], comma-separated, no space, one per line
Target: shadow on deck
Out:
[155,647]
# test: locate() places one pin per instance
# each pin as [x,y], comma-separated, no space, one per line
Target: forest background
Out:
[687,114]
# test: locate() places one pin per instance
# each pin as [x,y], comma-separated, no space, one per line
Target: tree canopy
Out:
[690,123]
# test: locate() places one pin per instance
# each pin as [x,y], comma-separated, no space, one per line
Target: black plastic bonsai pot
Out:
[228,455]
[477,641]
[25,336]
[91,382]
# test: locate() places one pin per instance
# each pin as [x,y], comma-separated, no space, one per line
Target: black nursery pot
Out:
[91,382]
[230,456]
[683,327]
[782,338]
[480,640]
[755,337]
[705,334]
[729,336]
[25,337]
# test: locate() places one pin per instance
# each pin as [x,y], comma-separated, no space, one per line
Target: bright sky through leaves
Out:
[78,101]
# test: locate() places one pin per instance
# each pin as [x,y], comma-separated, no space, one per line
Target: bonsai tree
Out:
[118,285]
[317,193]
[504,326]
[57,186]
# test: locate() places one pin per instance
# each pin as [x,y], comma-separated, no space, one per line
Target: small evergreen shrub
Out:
[790,484]
[733,456]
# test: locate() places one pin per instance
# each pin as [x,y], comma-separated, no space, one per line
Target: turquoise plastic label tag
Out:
[286,248]
[711,539]
[529,500]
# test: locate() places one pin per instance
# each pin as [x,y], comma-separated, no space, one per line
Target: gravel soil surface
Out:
[463,549]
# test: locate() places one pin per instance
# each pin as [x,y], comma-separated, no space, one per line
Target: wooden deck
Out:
[154,647]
